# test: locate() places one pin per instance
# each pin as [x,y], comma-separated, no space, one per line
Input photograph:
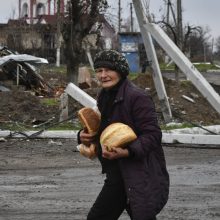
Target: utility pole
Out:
[204,52]
[19,10]
[212,46]
[176,55]
[131,10]
[119,16]
[179,24]
[179,34]
[168,12]
[58,35]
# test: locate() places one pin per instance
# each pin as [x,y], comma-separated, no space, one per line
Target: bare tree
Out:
[82,16]
[199,45]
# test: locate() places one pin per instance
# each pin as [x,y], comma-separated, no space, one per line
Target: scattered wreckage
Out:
[22,70]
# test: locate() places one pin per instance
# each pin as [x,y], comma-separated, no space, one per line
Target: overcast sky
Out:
[196,12]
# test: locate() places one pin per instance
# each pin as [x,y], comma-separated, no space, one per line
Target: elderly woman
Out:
[136,176]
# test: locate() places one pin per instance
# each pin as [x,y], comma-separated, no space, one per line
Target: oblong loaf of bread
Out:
[89,119]
[117,135]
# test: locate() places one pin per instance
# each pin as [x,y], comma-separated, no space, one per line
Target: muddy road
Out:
[48,180]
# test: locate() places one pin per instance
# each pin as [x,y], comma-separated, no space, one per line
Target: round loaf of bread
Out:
[117,135]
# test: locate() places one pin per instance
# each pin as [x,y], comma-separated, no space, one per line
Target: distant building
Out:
[108,34]
[35,31]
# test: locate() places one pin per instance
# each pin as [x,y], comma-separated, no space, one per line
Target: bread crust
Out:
[89,119]
[117,135]
[89,152]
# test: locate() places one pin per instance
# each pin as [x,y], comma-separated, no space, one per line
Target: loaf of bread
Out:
[90,120]
[117,135]
[88,151]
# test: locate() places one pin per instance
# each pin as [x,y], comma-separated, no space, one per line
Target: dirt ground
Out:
[47,179]
[25,107]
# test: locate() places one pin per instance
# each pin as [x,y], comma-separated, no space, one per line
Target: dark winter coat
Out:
[145,176]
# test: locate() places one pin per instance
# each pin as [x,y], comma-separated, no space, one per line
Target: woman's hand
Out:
[86,138]
[115,153]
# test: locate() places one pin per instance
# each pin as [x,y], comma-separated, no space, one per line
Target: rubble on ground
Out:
[25,107]
[21,70]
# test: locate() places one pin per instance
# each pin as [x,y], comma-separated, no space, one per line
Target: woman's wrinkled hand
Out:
[115,153]
[86,138]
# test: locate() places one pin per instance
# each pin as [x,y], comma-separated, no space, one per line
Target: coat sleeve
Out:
[145,125]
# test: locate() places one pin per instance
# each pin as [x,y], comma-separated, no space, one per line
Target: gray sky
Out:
[196,12]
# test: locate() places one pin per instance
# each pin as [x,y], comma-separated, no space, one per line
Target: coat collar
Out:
[121,92]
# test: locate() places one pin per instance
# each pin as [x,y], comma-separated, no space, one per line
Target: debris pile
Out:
[198,111]
[19,73]
[21,69]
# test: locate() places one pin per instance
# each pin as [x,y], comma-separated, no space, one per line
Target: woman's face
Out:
[107,77]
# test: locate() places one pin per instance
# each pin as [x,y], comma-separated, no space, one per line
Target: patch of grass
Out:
[204,67]
[163,66]
[132,76]
[176,126]
[50,101]
[56,69]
